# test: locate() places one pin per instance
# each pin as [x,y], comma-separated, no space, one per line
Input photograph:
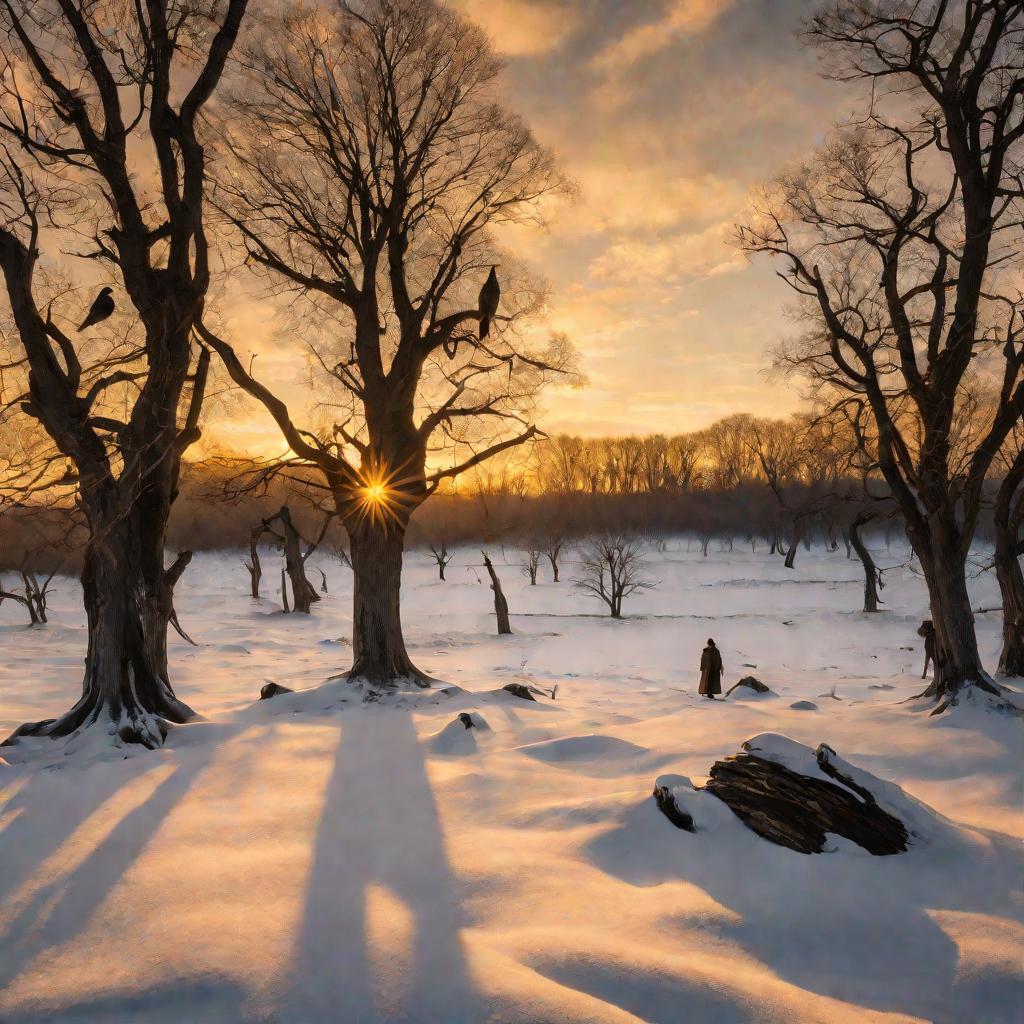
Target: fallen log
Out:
[799,811]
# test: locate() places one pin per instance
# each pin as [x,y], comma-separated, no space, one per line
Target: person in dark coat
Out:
[710,671]
[927,630]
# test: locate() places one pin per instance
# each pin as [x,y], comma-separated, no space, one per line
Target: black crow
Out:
[489,296]
[101,308]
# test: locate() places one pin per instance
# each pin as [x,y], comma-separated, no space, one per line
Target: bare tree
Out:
[551,547]
[533,553]
[900,240]
[86,91]
[368,163]
[442,556]
[612,568]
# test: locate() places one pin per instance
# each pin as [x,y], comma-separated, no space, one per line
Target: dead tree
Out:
[612,568]
[366,161]
[90,90]
[897,240]
[441,556]
[533,554]
[500,604]
[552,549]
[253,565]
[872,577]
[304,594]
[33,600]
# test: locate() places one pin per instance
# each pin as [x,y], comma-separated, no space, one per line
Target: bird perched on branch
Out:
[489,296]
[102,307]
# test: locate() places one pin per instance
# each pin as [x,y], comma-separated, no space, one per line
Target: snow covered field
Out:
[317,859]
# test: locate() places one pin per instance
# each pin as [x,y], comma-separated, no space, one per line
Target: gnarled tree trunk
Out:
[500,603]
[129,604]
[378,647]
[303,592]
[870,570]
[957,661]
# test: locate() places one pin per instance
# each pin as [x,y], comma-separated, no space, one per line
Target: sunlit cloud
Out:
[524,28]
[680,18]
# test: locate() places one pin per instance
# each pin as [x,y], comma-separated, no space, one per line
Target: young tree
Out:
[442,556]
[533,552]
[900,239]
[86,91]
[369,163]
[552,545]
[612,568]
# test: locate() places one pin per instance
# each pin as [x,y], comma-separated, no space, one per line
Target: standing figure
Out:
[710,671]
[927,630]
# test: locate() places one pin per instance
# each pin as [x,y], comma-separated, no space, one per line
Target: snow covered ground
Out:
[318,859]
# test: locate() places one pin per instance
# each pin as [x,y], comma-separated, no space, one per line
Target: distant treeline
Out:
[779,482]
[503,508]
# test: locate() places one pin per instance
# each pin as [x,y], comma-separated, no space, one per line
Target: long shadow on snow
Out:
[379,826]
[846,925]
[200,1001]
[63,905]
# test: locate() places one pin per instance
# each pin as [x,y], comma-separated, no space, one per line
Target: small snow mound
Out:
[460,735]
[804,705]
[582,748]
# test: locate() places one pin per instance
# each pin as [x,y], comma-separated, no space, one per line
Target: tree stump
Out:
[798,811]
[500,604]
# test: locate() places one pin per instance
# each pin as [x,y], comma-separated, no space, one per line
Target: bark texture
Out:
[797,811]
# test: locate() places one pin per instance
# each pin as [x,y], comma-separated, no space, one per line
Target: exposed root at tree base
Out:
[148,729]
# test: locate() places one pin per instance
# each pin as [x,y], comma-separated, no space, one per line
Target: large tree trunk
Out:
[957,661]
[1007,516]
[870,570]
[129,603]
[378,648]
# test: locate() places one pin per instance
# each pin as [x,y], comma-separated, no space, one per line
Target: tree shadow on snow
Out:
[379,828]
[201,1001]
[845,925]
[62,906]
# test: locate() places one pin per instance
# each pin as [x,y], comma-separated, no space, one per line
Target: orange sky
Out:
[667,113]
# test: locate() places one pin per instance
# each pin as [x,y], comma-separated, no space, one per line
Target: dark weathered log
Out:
[519,690]
[751,683]
[797,811]
[500,604]
[273,690]
[666,802]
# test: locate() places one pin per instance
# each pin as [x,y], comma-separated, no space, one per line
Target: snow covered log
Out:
[520,690]
[272,689]
[751,683]
[665,791]
[795,797]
